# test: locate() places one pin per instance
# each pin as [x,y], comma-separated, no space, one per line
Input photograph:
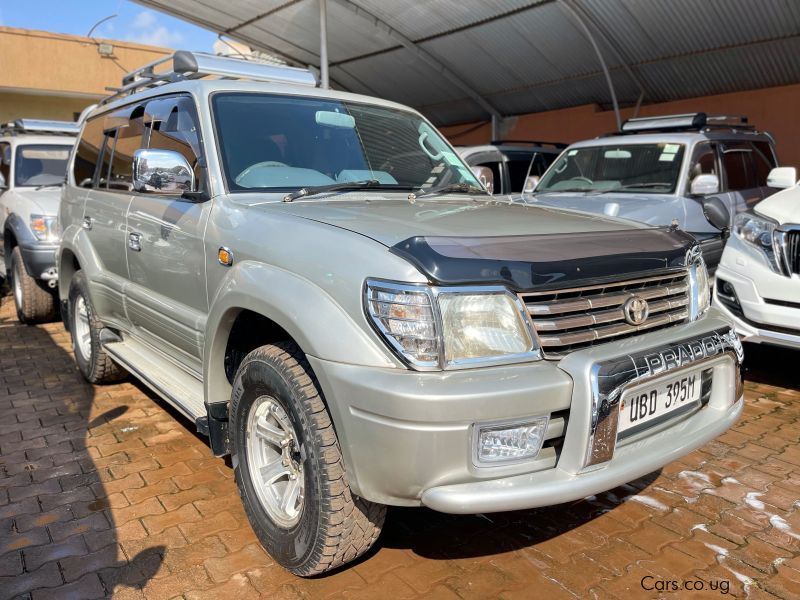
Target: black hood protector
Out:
[540,262]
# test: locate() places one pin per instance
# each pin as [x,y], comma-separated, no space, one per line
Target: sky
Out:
[134,22]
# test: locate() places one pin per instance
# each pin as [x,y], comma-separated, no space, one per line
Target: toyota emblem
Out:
[635,310]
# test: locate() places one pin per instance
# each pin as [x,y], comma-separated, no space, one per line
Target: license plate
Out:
[646,404]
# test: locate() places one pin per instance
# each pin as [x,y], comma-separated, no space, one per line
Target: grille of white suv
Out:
[575,318]
[793,252]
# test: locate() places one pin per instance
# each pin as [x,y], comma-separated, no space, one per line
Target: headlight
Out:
[757,232]
[44,228]
[450,328]
[698,282]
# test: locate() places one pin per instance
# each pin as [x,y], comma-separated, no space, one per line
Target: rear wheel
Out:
[93,361]
[33,301]
[289,466]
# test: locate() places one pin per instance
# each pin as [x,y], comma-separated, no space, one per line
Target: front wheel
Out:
[34,303]
[289,467]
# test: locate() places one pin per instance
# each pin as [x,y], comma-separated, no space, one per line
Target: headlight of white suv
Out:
[451,328]
[757,232]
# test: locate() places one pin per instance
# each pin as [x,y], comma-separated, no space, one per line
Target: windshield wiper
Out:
[48,185]
[331,187]
[464,188]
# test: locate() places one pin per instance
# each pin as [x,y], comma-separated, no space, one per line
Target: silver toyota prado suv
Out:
[33,163]
[318,281]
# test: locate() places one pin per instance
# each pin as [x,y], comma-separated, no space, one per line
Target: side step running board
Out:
[169,381]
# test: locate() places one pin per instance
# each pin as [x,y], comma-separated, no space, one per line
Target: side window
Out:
[738,161]
[704,162]
[88,153]
[128,138]
[106,154]
[763,161]
[173,126]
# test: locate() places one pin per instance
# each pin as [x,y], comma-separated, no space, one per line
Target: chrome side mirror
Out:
[485,176]
[530,184]
[162,172]
[705,184]
[782,177]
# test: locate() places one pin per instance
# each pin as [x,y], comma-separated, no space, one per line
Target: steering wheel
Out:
[261,165]
[584,179]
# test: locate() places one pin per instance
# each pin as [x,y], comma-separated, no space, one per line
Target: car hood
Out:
[391,220]
[457,241]
[653,209]
[783,207]
[43,201]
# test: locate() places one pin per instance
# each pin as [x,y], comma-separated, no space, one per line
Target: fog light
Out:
[509,441]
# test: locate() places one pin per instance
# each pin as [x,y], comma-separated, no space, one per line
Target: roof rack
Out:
[558,145]
[684,122]
[196,65]
[40,126]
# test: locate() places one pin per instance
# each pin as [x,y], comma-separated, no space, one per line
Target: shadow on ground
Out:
[772,365]
[58,535]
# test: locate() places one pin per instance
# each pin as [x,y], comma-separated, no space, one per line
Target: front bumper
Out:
[768,308]
[407,436]
[40,260]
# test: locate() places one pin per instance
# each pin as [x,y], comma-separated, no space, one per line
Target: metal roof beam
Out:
[422,55]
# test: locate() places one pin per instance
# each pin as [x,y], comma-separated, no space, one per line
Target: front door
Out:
[741,185]
[166,298]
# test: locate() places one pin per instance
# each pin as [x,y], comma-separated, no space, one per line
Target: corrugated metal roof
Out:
[522,55]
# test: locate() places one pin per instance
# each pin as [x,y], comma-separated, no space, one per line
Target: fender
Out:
[311,316]
[22,233]
[74,239]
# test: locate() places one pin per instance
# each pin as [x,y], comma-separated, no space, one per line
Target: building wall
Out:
[776,110]
[53,76]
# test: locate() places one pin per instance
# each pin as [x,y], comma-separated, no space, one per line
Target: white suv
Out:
[758,280]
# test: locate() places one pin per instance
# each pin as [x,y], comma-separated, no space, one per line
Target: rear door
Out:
[105,210]
[167,302]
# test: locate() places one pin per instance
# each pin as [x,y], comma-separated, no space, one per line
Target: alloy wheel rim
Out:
[274,462]
[83,335]
[17,286]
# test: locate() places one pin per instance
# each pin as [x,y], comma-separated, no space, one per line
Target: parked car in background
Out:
[660,170]
[507,166]
[758,280]
[33,164]
[319,282]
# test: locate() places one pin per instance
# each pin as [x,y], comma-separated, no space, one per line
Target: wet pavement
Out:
[104,490]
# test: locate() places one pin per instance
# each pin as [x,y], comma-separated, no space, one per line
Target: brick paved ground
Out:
[104,490]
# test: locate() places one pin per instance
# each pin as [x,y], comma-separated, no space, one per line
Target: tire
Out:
[33,301]
[94,363]
[331,526]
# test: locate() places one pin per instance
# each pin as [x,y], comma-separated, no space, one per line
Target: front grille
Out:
[575,318]
[793,252]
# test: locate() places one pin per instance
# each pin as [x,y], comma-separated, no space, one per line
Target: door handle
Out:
[87,222]
[135,242]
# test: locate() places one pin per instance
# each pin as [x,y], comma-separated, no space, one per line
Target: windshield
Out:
[651,168]
[41,164]
[284,143]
